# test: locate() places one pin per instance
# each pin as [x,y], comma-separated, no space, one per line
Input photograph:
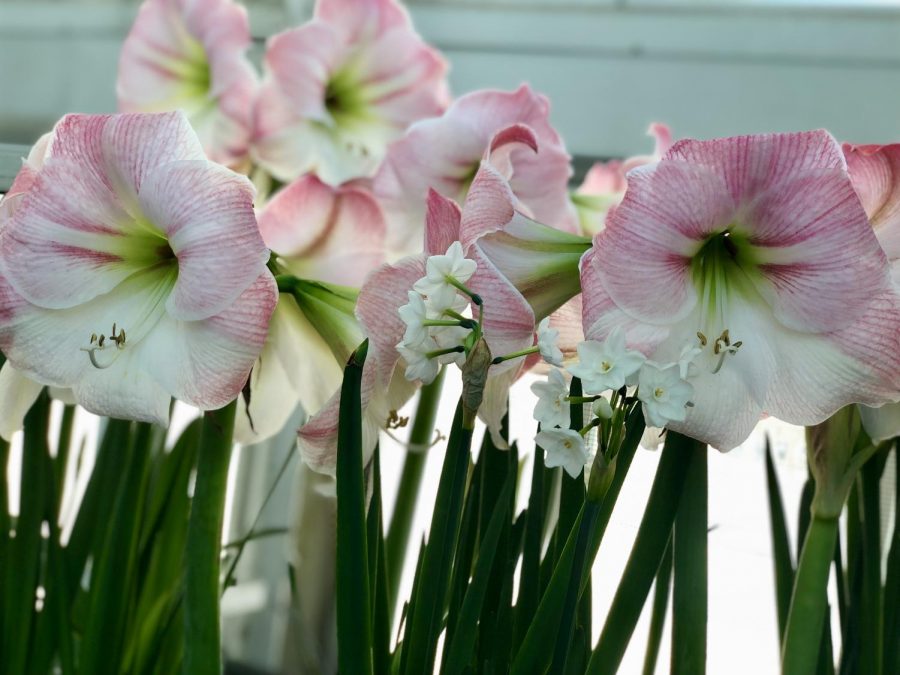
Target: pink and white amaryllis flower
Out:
[875,173]
[508,327]
[133,270]
[190,55]
[756,251]
[445,153]
[339,88]
[604,184]
[320,234]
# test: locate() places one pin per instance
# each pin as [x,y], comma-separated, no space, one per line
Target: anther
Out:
[702,338]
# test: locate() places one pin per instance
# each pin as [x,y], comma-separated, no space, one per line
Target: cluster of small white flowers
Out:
[662,389]
[435,297]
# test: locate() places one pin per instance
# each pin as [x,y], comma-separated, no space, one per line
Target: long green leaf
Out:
[781,547]
[533,655]
[459,651]
[424,625]
[871,614]
[114,576]
[354,618]
[202,630]
[689,564]
[661,589]
[22,568]
[891,639]
[378,588]
[530,586]
[646,554]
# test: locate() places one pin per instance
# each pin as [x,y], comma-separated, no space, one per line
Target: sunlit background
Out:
[610,67]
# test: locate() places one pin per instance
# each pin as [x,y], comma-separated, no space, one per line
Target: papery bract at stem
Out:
[133,270]
[190,55]
[339,88]
[755,250]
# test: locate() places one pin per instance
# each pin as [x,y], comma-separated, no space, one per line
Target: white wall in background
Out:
[610,67]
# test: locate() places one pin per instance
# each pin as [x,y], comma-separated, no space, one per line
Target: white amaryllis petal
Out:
[189,55]
[881,423]
[552,409]
[565,448]
[17,394]
[115,340]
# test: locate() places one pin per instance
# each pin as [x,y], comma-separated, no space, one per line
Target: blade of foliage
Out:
[22,567]
[579,562]
[530,586]
[571,490]
[533,656]
[354,618]
[661,589]
[689,565]
[378,591]
[114,576]
[781,547]
[891,639]
[424,624]
[420,437]
[459,651]
[465,548]
[646,554]
[871,610]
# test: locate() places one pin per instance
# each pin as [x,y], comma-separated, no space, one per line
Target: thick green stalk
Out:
[689,555]
[661,589]
[802,638]
[202,630]
[420,436]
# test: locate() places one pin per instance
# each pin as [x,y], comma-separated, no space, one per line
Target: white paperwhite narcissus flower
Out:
[547,343]
[419,365]
[552,408]
[605,365]
[190,55]
[664,393]
[133,270]
[442,272]
[565,448]
[414,313]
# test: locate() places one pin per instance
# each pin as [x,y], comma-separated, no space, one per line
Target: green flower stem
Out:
[515,355]
[802,638]
[453,281]
[581,399]
[410,480]
[202,634]
[463,323]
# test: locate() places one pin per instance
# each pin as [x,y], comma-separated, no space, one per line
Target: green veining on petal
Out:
[726,264]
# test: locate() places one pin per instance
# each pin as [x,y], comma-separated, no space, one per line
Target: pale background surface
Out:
[610,67]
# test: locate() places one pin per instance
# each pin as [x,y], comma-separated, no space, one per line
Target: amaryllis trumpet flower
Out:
[190,55]
[329,239]
[754,255]
[445,153]
[339,88]
[132,271]
[604,185]
[875,173]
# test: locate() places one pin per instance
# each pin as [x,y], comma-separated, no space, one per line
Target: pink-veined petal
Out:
[17,394]
[442,220]
[206,212]
[330,234]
